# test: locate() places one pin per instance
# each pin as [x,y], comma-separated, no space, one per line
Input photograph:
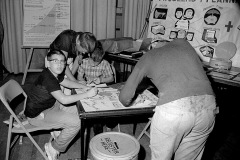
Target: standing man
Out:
[185,113]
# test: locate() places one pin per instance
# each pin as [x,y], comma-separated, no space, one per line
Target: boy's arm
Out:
[67,99]
[108,79]
[107,75]
[80,77]
[73,84]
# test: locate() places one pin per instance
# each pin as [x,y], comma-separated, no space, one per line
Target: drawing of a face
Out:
[189,36]
[173,35]
[179,13]
[181,34]
[189,13]
[212,16]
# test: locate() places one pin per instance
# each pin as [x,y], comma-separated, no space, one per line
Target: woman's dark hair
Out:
[87,41]
[64,42]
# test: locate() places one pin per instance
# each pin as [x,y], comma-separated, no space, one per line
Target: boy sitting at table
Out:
[95,69]
[44,97]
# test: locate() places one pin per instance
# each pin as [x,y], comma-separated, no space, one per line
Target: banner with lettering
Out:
[209,25]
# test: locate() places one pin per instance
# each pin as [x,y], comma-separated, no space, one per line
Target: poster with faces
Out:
[205,24]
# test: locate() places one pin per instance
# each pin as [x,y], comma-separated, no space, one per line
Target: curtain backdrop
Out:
[135,14]
[96,16]
[12,16]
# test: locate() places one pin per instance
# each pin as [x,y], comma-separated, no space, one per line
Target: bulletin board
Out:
[44,20]
[204,23]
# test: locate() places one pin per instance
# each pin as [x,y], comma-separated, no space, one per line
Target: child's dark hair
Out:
[87,41]
[98,53]
[53,52]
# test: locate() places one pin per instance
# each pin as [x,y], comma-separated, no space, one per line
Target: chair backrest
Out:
[8,92]
[114,73]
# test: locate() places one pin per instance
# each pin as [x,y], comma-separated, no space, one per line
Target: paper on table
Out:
[107,99]
[97,85]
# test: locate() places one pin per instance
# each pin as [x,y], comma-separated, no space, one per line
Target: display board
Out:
[204,23]
[44,20]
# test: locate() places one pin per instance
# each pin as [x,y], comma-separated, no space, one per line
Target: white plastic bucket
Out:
[114,146]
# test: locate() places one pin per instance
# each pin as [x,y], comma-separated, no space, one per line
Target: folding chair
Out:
[8,92]
[114,72]
[145,130]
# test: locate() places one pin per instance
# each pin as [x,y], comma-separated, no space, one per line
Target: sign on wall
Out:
[44,20]
[204,23]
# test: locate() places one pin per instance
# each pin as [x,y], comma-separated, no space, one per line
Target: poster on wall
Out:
[44,20]
[204,23]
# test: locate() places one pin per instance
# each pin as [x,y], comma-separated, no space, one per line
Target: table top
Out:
[114,113]
[230,78]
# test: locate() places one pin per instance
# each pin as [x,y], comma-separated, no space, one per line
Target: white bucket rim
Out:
[99,154]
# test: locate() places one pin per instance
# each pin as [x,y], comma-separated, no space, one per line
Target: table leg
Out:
[82,137]
[125,66]
[87,142]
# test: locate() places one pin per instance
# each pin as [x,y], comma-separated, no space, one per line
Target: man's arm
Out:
[128,91]
[139,72]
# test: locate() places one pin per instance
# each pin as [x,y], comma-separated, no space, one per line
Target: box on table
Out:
[115,45]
